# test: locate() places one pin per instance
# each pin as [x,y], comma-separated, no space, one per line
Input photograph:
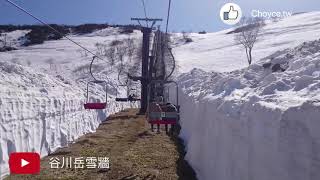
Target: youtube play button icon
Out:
[24,163]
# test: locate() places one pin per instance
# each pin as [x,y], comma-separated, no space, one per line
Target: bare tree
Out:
[52,64]
[135,66]
[250,29]
[186,37]
[83,53]
[111,55]
[121,52]
[185,34]
[138,51]
[29,63]
[3,39]
[100,48]
[16,61]
[130,48]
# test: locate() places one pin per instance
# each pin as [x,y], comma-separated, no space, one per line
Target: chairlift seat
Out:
[170,116]
[163,118]
[122,99]
[127,99]
[95,105]
[171,122]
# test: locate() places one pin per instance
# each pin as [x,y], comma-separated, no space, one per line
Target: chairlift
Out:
[96,105]
[161,112]
[122,99]
[131,97]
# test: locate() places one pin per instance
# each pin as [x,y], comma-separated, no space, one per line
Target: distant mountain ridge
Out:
[39,33]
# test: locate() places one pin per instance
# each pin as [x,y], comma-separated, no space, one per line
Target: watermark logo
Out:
[79,163]
[24,163]
[231,13]
[270,14]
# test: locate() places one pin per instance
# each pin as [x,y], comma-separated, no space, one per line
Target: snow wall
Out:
[39,113]
[255,124]
[259,143]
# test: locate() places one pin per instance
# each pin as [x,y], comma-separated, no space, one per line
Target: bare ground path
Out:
[134,151]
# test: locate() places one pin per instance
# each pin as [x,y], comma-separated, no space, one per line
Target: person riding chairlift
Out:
[168,107]
[159,106]
[156,107]
[132,97]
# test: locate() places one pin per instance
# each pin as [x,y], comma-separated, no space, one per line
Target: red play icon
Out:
[24,163]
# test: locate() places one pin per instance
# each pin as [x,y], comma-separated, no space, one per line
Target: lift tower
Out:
[146,74]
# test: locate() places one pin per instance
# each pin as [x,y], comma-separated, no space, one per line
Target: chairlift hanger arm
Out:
[93,58]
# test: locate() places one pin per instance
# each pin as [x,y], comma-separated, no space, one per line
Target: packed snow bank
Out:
[257,123]
[40,113]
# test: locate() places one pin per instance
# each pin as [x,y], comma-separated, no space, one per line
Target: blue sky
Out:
[188,15]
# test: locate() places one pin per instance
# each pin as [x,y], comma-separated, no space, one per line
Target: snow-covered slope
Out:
[42,92]
[14,38]
[218,51]
[254,123]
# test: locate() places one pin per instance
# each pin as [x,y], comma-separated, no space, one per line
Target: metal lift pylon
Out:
[146,75]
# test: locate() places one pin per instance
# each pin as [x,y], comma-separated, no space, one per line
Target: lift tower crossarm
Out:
[146,19]
[153,20]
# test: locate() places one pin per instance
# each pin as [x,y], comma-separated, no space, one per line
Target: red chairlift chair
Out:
[166,113]
[96,105]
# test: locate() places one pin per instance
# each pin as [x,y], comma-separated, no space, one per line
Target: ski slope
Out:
[219,52]
[241,122]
